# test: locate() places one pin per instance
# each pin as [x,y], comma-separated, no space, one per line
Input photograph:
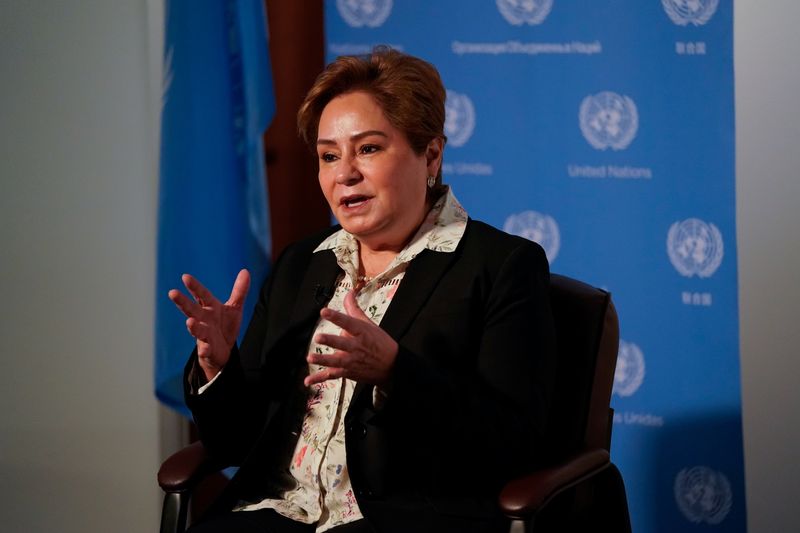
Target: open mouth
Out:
[354,200]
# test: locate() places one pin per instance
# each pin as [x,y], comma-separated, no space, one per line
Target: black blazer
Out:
[470,388]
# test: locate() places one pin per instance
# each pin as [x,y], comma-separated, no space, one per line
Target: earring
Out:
[431,181]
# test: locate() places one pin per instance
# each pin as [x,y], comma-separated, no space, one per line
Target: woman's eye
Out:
[327,157]
[369,149]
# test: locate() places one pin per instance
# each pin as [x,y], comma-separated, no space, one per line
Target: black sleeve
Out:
[230,413]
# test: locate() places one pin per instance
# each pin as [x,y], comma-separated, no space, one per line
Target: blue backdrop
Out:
[605,131]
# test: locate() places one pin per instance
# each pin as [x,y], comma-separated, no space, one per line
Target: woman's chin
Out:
[356,229]
[354,221]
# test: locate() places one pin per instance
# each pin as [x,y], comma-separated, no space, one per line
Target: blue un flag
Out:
[212,219]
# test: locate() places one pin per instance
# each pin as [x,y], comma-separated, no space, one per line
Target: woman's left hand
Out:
[364,352]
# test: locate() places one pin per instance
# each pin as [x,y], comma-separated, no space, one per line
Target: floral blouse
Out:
[322,491]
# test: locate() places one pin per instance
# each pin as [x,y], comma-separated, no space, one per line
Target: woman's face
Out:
[374,182]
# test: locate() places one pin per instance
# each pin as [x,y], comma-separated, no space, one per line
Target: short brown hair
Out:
[408,90]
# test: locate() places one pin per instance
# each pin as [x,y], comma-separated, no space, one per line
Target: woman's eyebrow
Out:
[355,137]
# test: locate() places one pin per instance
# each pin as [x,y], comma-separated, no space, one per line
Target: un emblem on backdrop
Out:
[684,12]
[608,120]
[538,228]
[519,12]
[695,247]
[703,495]
[629,373]
[459,120]
[369,13]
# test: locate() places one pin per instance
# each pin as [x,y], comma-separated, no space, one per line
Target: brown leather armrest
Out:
[527,495]
[185,468]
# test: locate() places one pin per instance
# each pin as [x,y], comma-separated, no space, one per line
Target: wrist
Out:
[210,370]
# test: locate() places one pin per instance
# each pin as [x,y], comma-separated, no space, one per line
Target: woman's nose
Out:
[347,173]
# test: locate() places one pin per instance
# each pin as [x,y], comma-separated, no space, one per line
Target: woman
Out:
[397,370]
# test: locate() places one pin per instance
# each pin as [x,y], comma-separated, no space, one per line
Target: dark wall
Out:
[297,207]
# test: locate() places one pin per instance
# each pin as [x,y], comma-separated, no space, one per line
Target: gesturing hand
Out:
[215,325]
[364,352]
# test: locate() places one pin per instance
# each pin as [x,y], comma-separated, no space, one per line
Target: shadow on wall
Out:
[698,476]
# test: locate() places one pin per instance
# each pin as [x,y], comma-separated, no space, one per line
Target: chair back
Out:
[587,331]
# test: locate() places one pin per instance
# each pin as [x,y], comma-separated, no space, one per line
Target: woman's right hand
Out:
[215,325]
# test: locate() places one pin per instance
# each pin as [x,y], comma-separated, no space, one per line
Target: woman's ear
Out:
[433,155]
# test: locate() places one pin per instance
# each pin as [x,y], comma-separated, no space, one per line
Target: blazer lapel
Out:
[316,288]
[422,276]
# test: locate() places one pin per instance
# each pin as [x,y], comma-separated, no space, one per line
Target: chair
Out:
[580,489]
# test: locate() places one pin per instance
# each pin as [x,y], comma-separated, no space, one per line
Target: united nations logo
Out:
[459,120]
[695,247]
[703,495]
[538,228]
[369,13]
[519,12]
[684,12]
[629,373]
[608,120]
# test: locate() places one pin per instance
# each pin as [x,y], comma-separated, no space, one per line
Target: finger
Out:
[352,325]
[240,288]
[337,342]
[336,359]
[205,353]
[198,291]
[184,304]
[352,308]
[324,375]
[199,330]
